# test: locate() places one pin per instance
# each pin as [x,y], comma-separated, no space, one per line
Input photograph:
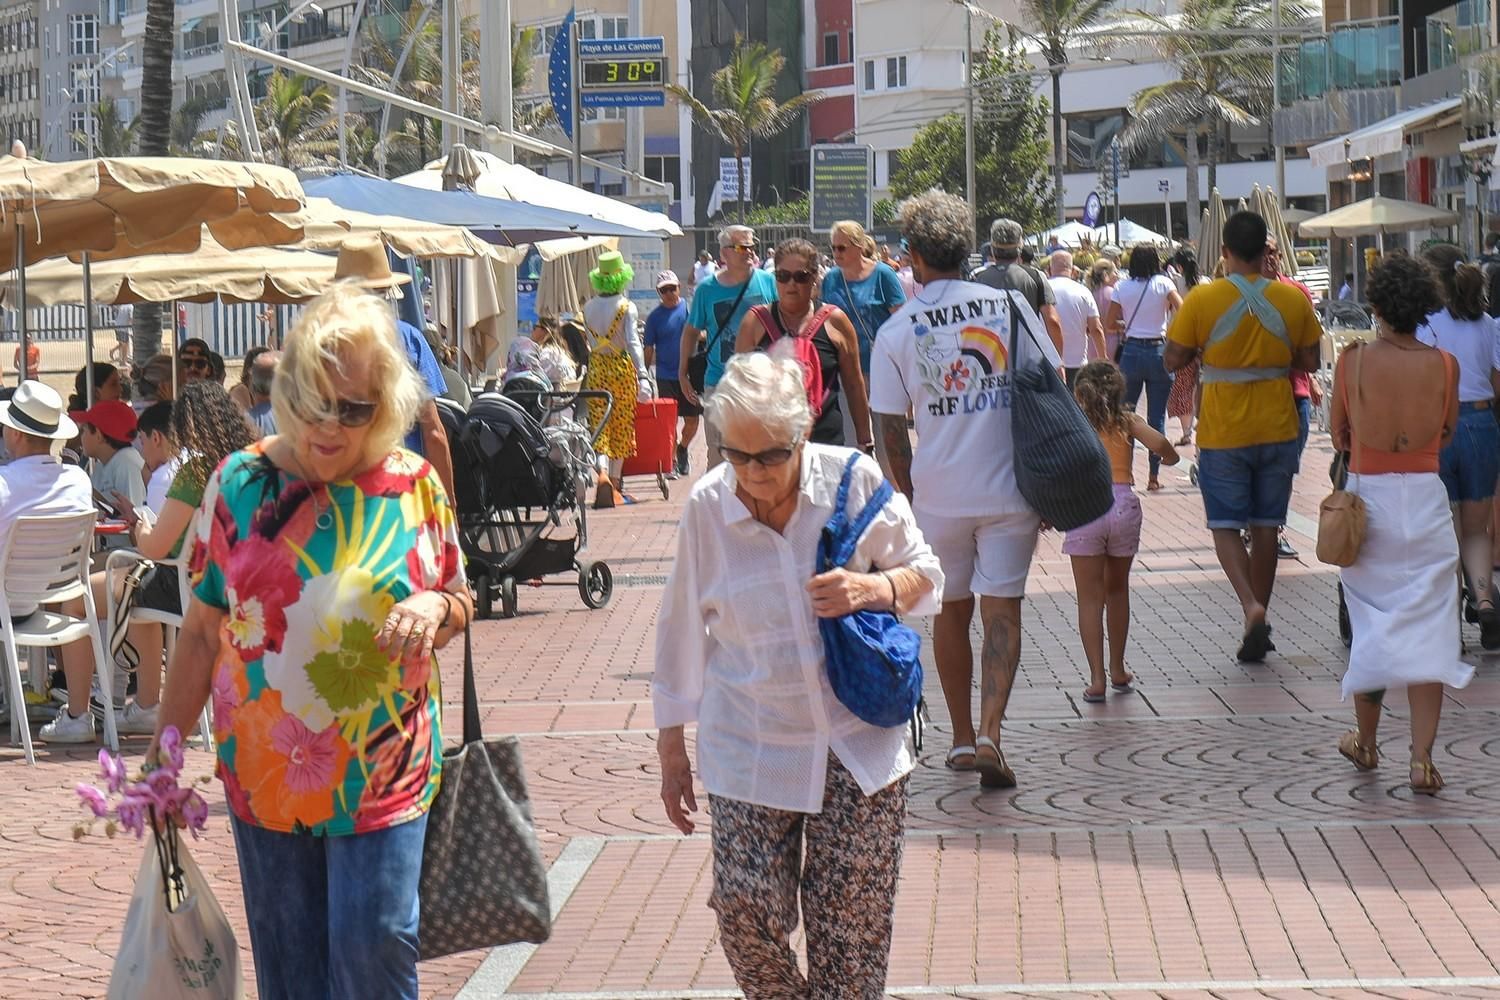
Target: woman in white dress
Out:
[1395,405]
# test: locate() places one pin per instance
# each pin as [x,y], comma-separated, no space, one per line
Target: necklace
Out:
[1401,347]
[801,320]
[323,516]
[764,515]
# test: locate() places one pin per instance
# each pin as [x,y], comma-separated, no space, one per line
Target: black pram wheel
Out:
[508,601]
[596,584]
[483,598]
[1346,631]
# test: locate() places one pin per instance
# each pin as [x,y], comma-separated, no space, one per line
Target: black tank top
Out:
[828,428]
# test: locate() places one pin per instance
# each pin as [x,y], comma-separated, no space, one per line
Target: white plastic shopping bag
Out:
[185,953]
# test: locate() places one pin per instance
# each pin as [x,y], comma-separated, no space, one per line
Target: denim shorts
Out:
[1471,461]
[1249,486]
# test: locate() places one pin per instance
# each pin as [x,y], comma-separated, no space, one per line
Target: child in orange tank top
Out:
[1102,551]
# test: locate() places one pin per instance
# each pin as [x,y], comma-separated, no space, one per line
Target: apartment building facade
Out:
[20,73]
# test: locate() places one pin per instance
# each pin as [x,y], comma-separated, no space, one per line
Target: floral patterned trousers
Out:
[847,887]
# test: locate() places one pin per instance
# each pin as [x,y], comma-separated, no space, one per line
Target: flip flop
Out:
[993,772]
[951,761]
[1127,688]
[1255,645]
[1093,699]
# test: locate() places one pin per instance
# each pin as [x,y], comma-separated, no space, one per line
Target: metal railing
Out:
[1357,55]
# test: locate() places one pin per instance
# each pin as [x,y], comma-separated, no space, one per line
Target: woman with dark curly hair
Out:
[1395,405]
[1470,463]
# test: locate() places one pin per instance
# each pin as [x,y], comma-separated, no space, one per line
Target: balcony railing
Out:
[1359,55]
[199,51]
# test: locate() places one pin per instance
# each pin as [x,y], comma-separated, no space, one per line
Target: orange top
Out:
[1377,461]
[1119,446]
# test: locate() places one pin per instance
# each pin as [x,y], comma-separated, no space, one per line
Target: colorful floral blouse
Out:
[318,730]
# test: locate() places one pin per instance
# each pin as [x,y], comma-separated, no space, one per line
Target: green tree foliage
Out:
[788,213]
[745,105]
[112,135]
[1011,149]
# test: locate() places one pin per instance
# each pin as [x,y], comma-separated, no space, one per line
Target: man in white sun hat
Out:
[663,344]
[35,483]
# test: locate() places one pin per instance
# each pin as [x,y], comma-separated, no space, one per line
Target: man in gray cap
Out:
[1007,272]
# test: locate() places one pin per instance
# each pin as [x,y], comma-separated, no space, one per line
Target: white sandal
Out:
[993,773]
[950,762]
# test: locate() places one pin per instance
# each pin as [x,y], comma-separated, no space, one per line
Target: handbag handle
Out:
[1359,357]
[473,733]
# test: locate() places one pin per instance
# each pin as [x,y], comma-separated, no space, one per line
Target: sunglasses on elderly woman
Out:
[348,412]
[764,459]
[800,277]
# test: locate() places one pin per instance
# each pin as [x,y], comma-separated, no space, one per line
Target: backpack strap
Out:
[767,321]
[821,316]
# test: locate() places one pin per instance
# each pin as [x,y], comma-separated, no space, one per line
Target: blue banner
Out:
[560,75]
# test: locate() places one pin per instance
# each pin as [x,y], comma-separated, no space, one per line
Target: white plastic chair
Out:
[46,561]
[119,561]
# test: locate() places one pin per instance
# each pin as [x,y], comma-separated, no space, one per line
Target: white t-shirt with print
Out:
[1150,320]
[1474,344]
[1075,307]
[946,354]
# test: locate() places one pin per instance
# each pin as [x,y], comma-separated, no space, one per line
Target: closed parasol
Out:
[1265,202]
[1211,236]
[564,284]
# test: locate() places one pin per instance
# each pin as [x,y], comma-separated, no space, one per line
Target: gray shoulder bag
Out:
[483,880]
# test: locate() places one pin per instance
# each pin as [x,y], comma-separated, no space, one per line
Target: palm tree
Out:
[112,136]
[744,93]
[296,120]
[186,121]
[1225,80]
[1058,26]
[153,134]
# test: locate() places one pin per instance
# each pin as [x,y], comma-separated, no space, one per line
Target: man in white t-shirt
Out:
[1078,314]
[947,354]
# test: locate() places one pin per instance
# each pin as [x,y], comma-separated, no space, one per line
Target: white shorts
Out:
[989,556]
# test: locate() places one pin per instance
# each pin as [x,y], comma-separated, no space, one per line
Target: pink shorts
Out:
[1117,533]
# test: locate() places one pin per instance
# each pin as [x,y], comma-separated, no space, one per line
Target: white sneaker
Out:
[66,729]
[136,721]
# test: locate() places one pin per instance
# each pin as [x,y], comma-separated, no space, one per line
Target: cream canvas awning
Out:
[1386,135]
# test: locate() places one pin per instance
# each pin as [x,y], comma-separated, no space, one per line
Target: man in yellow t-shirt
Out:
[1249,333]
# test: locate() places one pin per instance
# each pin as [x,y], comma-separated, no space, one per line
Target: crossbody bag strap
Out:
[845,533]
[1125,333]
[713,344]
[473,732]
[859,322]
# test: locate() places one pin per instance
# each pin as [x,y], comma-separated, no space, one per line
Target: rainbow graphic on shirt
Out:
[984,347]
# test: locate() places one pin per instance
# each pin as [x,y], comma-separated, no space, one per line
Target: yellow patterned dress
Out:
[612,370]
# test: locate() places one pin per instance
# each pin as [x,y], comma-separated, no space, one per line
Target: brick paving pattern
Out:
[1202,838]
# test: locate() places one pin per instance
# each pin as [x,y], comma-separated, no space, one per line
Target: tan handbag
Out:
[1342,515]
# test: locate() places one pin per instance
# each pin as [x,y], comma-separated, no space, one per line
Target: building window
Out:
[831,49]
[85,83]
[895,72]
[80,129]
[1089,136]
[83,34]
[603,114]
[869,74]
[604,27]
[541,44]
[667,169]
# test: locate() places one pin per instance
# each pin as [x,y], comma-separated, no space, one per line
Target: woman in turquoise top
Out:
[867,290]
[326,569]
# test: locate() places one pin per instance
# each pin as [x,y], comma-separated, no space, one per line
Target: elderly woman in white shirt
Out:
[739,653]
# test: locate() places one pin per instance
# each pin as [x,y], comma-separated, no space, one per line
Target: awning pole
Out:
[88,333]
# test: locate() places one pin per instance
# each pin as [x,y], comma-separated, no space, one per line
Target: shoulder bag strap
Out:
[859,322]
[473,733]
[847,533]
[1145,287]
[737,300]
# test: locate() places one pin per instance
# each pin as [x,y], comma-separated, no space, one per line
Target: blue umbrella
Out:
[495,220]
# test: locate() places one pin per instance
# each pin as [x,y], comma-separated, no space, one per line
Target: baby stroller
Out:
[518,488]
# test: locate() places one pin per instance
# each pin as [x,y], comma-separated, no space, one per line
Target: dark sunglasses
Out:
[196,363]
[348,412]
[840,247]
[765,459]
[800,277]
[667,288]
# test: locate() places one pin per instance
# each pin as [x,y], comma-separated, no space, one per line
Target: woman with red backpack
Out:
[825,341]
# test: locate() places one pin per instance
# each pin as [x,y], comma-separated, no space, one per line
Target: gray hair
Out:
[1061,263]
[1005,232]
[936,226]
[728,234]
[765,387]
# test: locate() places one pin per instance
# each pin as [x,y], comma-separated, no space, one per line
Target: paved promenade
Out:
[1202,838]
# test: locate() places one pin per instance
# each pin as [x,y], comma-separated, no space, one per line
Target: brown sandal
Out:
[1363,757]
[1431,781]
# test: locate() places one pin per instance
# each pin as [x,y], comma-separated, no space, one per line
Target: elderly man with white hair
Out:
[719,304]
[808,800]
[1078,314]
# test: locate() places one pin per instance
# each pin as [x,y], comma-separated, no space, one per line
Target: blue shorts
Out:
[1471,461]
[1249,486]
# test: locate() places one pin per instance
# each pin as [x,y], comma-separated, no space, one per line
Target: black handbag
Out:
[1062,469]
[697,366]
[483,880]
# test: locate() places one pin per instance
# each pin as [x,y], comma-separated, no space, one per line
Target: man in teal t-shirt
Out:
[716,318]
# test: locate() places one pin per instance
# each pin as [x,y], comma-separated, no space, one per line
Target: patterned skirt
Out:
[615,374]
[1184,387]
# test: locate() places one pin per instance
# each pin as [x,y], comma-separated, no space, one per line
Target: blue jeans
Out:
[332,916]
[1304,425]
[1142,366]
[1471,461]
[1247,486]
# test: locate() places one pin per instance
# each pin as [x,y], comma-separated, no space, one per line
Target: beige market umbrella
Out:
[564,284]
[1211,236]
[1293,216]
[326,226]
[1266,203]
[1375,217]
[258,274]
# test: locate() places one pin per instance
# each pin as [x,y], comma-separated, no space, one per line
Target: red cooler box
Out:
[655,441]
